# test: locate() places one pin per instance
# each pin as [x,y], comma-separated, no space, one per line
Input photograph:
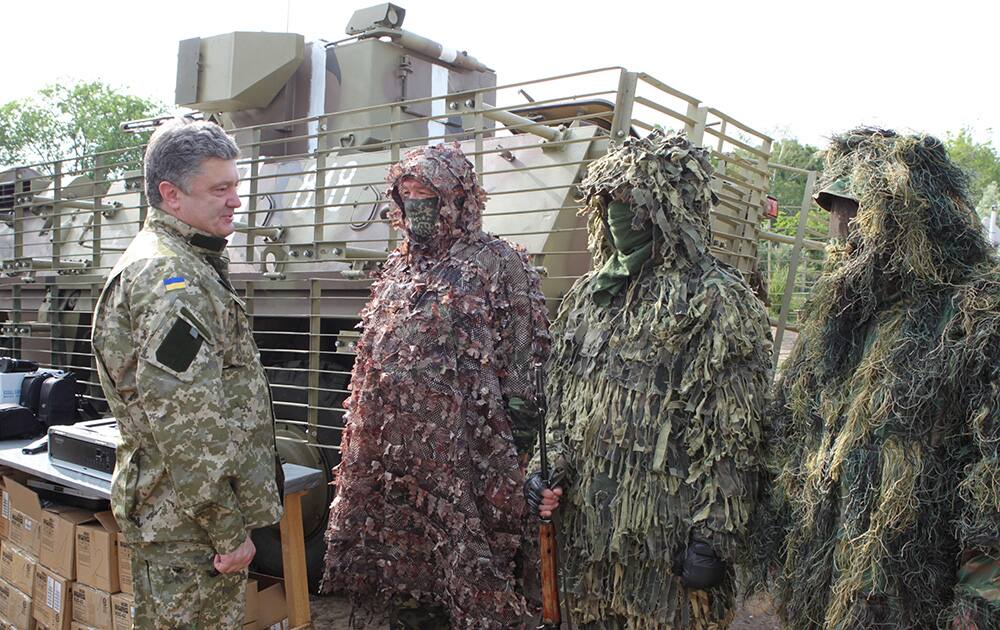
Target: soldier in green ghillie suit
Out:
[657,385]
[886,420]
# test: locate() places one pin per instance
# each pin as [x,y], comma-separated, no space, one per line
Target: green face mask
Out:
[633,250]
[623,237]
[422,216]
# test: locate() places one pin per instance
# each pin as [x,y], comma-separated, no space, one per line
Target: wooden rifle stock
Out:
[547,547]
[551,615]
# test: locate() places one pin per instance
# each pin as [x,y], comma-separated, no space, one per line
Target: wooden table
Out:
[298,481]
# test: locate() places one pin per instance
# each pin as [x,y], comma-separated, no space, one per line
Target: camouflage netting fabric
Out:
[429,501]
[655,395]
[887,415]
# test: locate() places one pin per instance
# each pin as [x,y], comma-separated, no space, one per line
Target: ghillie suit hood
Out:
[889,403]
[446,170]
[656,394]
[661,224]
[429,502]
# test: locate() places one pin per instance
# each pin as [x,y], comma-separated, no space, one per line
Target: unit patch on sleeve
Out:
[180,345]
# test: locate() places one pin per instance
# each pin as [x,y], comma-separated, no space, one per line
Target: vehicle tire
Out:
[268,559]
[299,444]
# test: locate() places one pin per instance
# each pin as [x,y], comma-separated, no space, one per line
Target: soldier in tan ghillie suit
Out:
[886,421]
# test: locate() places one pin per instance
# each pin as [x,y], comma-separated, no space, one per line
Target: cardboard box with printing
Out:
[124,565]
[51,599]
[79,626]
[92,607]
[123,607]
[15,607]
[4,514]
[17,568]
[5,498]
[58,544]
[97,553]
[272,612]
[25,517]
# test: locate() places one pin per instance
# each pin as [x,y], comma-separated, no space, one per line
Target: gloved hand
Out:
[533,487]
[698,566]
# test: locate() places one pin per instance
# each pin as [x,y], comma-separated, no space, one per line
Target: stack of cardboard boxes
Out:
[58,565]
[63,568]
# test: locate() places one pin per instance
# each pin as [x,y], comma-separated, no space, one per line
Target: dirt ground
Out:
[333,613]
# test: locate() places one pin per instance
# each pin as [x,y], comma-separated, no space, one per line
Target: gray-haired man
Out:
[196,469]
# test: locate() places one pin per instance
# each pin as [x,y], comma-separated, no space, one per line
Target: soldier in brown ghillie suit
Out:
[886,419]
[656,386]
[429,513]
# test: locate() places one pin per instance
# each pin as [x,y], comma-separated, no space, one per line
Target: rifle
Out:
[551,615]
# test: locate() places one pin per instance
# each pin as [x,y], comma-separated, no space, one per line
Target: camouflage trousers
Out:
[175,589]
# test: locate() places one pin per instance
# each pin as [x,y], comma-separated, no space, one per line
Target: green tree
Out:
[989,200]
[979,159]
[788,187]
[74,121]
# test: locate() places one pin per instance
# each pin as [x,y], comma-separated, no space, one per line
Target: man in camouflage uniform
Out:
[429,517]
[656,387]
[196,468]
[886,420]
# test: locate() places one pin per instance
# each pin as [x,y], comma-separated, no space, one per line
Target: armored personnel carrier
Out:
[319,123]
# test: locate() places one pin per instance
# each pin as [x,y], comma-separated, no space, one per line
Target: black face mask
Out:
[422,217]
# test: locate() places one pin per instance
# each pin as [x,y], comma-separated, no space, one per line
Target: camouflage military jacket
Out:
[181,372]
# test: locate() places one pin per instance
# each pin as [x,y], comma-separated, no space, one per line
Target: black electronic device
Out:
[86,447]
[39,445]
[17,422]
[9,365]
[57,400]
[31,387]
[58,493]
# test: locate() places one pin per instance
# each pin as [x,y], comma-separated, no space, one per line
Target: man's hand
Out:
[550,501]
[539,497]
[963,621]
[237,560]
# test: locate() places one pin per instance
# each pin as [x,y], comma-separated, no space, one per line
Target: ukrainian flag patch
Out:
[172,284]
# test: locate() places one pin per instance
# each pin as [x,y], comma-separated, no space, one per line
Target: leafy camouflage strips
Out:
[656,400]
[886,423]
[429,502]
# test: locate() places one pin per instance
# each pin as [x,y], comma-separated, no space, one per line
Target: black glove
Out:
[698,566]
[533,486]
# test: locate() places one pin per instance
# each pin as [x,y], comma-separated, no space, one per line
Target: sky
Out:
[801,69]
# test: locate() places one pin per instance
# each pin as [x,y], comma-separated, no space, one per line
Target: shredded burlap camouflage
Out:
[886,506]
[656,385]
[429,502]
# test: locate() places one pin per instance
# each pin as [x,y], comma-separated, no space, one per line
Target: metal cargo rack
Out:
[313,226]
